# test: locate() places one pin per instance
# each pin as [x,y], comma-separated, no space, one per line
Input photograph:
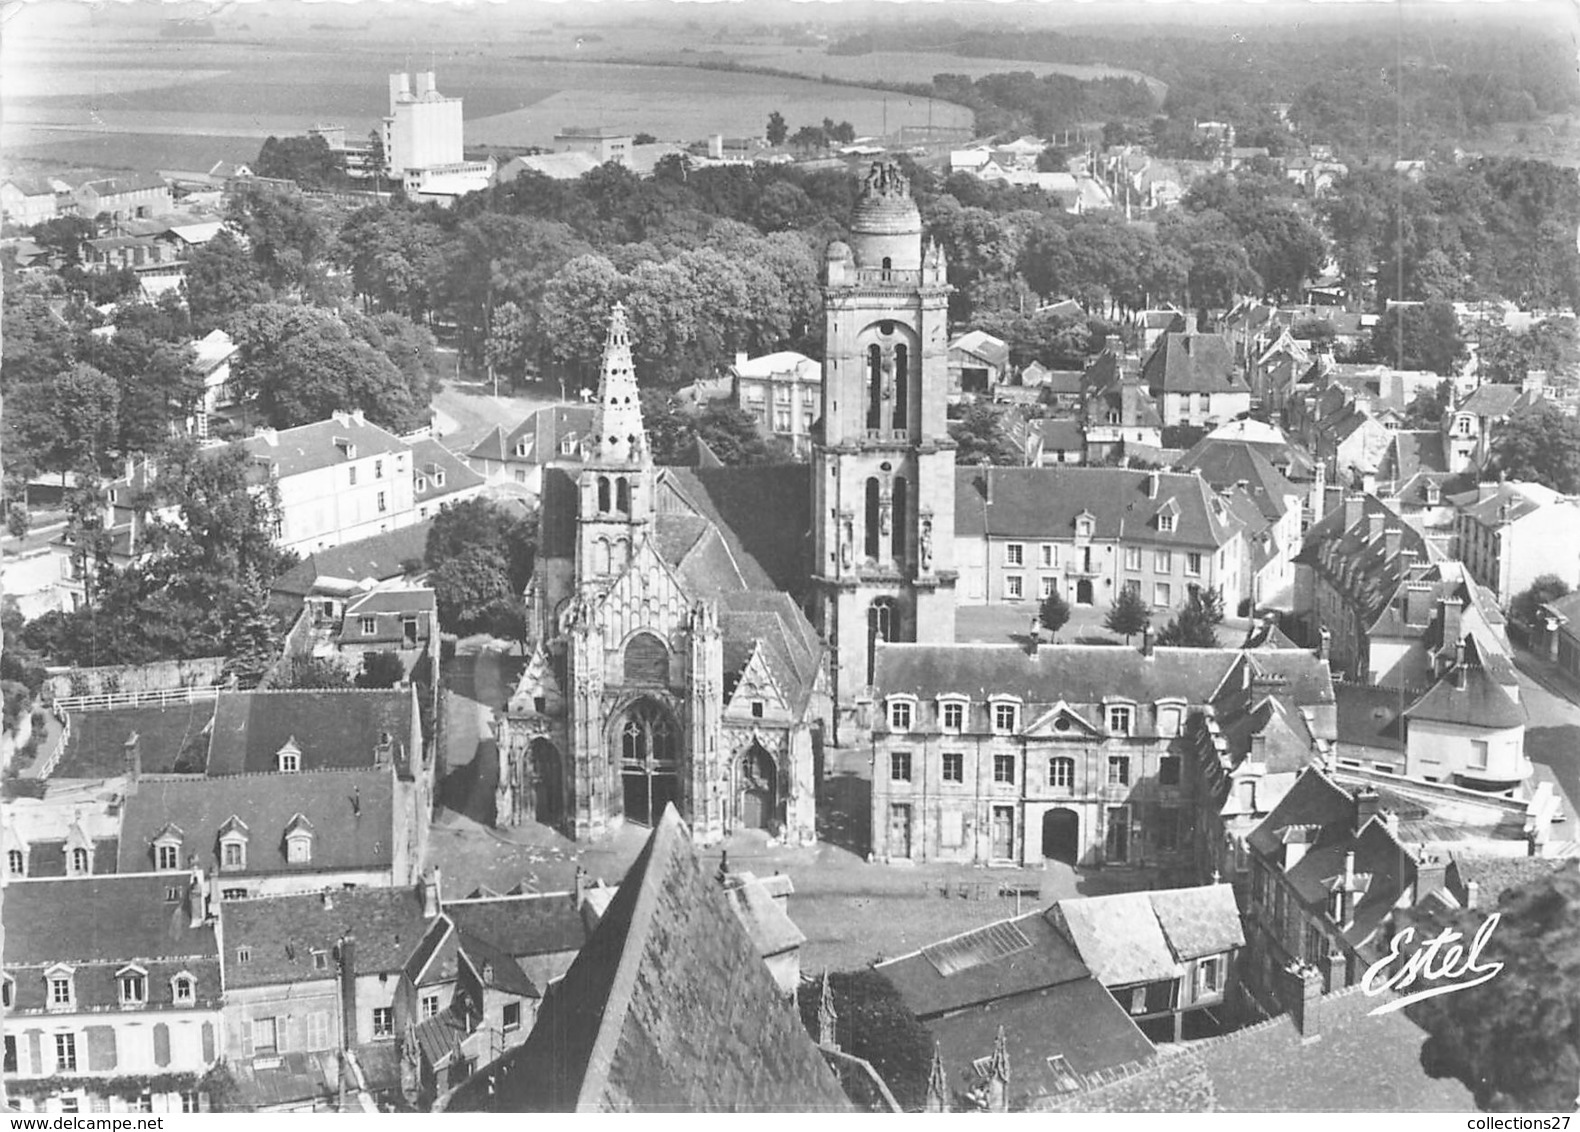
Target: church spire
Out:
[619,437]
[937,1085]
[998,1074]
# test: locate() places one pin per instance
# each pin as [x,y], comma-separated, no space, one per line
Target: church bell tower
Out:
[615,485]
[884,468]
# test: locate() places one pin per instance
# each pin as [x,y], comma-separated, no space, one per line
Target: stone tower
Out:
[884,467]
[615,486]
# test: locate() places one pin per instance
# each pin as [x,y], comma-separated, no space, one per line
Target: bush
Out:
[381,670]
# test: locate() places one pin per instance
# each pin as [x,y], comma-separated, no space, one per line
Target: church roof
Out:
[667,1008]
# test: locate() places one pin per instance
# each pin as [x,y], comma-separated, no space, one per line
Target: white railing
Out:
[157,697]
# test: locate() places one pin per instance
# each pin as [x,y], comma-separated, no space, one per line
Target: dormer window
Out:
[132,982]
[1166,522]
[16,863]
[233,844]
[80,863]
[438,477]
[1121,717]
[900,713]
[952,715]
[288,759]
[183,989]
[299,841]
[422,485]
[521,450]
[1085,524]
[167,849]
[60,985]
[1170,717]
[367,625]
[1006,718]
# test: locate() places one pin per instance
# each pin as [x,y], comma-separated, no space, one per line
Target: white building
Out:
[423,128]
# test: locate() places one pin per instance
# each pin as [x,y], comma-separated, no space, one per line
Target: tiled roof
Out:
[1047,961]
[1198,921]
[1492,401]
[289,1078]
[352,811]
[338,729]
[102,919]
[1045,503]
[1075,674]
[96,744]
[780,362]
[1118,937]
[281,934]
[378,557]
[1184,362]
[309,447]
[668,968]
[1060,434]
[495,967]
[1360,1063]
[535,924]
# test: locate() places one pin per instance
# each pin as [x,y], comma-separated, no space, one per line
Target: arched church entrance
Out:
[1061,835]
[759,786]
[647,745]
[548,783]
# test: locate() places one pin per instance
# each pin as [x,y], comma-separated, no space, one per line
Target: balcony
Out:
[899,278]
[886,436]
[1080,570]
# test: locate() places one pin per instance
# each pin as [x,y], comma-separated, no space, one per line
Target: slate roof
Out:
[1048,961]
[1358,565]
[1414,451]
[1075,674]
[130,183]
[1360,1063]
[1045,503]
[1493,401]
[764,513]
[533,924]
[1060,434]
[379,558]
[1225,463]
[1481,702]
[669,967]
[309,447]
[773,622]
[345,837]
[337,729]
[1185,362]
[1370,716]
[282,932]
[290,1077]
[96,743]
[47,858]
[429,458]
[1486,504]
[542,430]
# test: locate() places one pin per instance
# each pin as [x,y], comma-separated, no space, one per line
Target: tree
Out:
[1426,410]
[1541,445]
[1054,611]
[308,672]
[1195,625]
[286,238]
[68,422]
[250,639]
[1423,337]
[732,434]
[483,524]
[1129,614]
[875,1024]
[467,587]
[306,160]
[222,279]
[777,129]
[1526,604]
[381,670]
[980,437]
[1514,1040]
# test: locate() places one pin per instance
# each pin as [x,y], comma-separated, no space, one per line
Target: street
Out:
[1552,735]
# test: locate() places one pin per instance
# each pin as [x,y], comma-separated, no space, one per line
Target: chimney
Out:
[1146,640]
[346,952]
[740,358]
[1324,643]
[987,482]
[716,146]
[1367,803]
[1374,526]
[1259,747]
[432,894]
[1305,1000]
[1369,483]
[1472,894]
[579,893]
[1354,509]
[1434,493]
[1393,538]
[1153,479]
[1418,603]
[132,761]
[1503,512]
[1461,674]
[197,893]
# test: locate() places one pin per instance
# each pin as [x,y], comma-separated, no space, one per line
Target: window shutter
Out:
[208,1041]
[101,1048]
[161,1044]
[35,1052]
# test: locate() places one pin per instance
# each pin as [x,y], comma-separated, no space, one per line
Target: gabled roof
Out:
[168,739]
[668,967]
[1491,401]
[309,447]
[378,557]
[338,729]
[994,351]
[1045,502]
[1225,463]
[102,919]
[1468,696]
[1187,362]
[780,362]
[281,933]
[429,460]
[1118,937]
[352,810]
[130,183]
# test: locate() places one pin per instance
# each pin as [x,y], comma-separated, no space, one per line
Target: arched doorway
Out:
[1061,835]
[548,785]
[1083,592]
[759,786]
[647,745]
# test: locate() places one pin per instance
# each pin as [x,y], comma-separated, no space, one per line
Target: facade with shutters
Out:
[112,994]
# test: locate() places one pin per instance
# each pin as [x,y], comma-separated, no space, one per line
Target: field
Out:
[111,98]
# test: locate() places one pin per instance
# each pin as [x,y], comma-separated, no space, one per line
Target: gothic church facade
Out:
[701,633]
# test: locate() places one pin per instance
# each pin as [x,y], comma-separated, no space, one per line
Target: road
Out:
[1552,735]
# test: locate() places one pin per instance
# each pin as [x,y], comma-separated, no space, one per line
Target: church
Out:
[701,634]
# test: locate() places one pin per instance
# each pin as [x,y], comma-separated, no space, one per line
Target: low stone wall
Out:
[162,675]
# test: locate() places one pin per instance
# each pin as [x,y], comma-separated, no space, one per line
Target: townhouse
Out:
[783,392]
[1510,534]
[1193,380]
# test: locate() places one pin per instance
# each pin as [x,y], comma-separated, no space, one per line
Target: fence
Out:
[71,683]
[153,697]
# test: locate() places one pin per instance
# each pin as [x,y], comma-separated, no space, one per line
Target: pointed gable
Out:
[667,1008]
